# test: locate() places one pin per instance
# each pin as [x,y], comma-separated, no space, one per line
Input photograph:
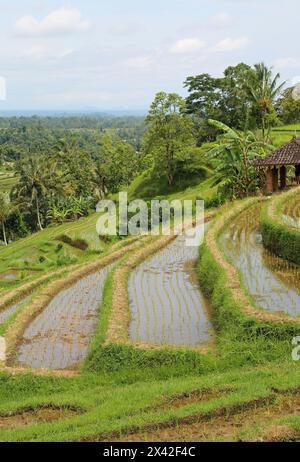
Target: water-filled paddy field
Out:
[167,306]
[59,337]
[273,283]
[292,211]
[12,309]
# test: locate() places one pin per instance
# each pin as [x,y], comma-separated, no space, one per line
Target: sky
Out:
[117,54]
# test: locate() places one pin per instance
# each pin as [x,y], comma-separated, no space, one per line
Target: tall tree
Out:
[170,132]
[226,99]
[35,177]
[235,102]
[116,165]
[75,166]
[264,91]
[288,107]
[6,210]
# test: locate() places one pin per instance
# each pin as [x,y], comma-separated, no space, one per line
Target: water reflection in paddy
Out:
[272,282]
[291,213]
[167,306]
[9,311]
[59,337]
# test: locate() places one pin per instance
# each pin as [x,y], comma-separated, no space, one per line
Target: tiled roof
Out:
[289,154]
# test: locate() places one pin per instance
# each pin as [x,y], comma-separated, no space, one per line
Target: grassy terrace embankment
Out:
[44,291]
[37,268]
[246,333]
[239,323]
[44,252]
[131,404]
[137,392]
[8,180]
[55,269]
[133,391]
[48,251]
[281,235]
[283,134]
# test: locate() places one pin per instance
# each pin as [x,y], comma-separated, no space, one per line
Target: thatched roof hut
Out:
[287,155]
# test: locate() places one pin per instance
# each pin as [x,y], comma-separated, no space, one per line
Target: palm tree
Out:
[99,179]
[6,210]
[34,182]
[264,90]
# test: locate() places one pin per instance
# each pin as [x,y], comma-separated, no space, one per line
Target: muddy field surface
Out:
[59,337]
[12,309]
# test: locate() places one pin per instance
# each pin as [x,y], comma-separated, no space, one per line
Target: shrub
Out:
[59,247]
[280,238]
[80,244]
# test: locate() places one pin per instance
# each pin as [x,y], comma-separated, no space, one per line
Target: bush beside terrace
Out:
[280,237]
[246,334]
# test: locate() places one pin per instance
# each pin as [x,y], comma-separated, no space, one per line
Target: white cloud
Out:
[287,63]
[222,20]
[39,52]
[188,45]
[125,30]
[295,80]
[61,21]
[76,98]
[229,44]
[140,62]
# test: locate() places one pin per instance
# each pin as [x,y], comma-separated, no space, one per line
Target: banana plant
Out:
[231,157]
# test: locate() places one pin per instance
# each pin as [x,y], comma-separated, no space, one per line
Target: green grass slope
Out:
[282,135]
[41,252]
[130,402]
[7,181]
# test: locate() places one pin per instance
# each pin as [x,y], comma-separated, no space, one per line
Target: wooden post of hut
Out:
[275,179]
[297,174]
[283,177]
[287,155]
[269,181]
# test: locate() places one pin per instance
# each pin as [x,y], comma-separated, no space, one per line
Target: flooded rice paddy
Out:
[12,309]
[273,283]
[291,213]
[167,306]
[59,337]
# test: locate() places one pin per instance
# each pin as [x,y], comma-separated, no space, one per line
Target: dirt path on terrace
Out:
[33,417]
[230,428]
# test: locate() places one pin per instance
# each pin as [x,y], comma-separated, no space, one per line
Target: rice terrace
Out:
[141,331]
